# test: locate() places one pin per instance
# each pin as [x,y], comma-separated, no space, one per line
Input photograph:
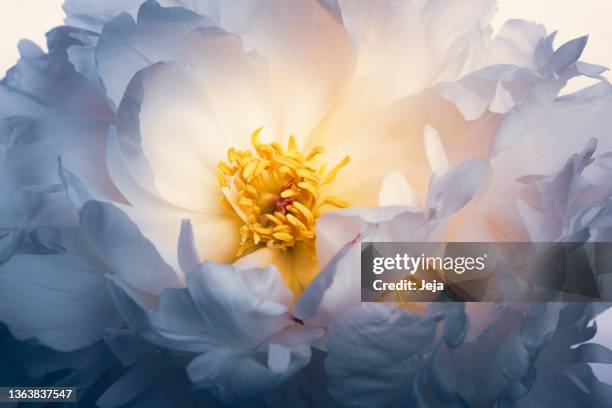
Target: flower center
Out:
[277,193]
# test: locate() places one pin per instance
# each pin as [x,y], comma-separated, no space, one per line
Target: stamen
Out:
[277,193]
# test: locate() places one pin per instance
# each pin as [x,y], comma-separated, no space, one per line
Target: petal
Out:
[297,267]
[162,100]
[95,15]
[126,46]
[502,101]
[375,353]
[33,145]
[450,191]
[516,44]
[228,73]
[392,140]
[509,134]
[309,301]
[391,36]
[233,376]
[296,39]
[566,55]
[132,383]
[221,307]
[573,119]
[49,77]
[188,257]
[58,299]
[436,155]
[232,312]
[267,284]
[338,236]
[396,190]
[124,249]
[10,240]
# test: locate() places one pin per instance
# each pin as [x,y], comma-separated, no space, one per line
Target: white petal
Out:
[510,132]
[296,40]
[126,46]
[279,358]
[502,101]
[468,101]
[227,73]
[233,376]
[436,155]
[267,284]
[395,190]
[340,234]
[391,36]
[232,312]
[188,257]
[122,247]
[308,303]
[450,191]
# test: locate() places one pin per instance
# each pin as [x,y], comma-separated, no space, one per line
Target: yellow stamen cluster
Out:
[276,192]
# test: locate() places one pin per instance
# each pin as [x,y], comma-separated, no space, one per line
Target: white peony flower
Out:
[220,162]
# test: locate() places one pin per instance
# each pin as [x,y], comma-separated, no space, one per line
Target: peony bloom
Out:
[219,164]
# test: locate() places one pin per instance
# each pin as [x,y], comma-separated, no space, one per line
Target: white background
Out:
[32,18]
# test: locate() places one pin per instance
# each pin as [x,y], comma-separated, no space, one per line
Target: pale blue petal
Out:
[57,298]
[453,189]
[119,242]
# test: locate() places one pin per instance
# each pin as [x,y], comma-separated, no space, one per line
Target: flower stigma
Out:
[277,193]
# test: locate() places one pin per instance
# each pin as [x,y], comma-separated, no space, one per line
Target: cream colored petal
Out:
[396,190]
[308,52]
[296,266]
[236,83]
[436,155]
[406,46]
[392,140]
[181,139]
[216,237]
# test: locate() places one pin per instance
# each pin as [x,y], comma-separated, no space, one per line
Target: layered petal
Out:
[57,298]
[375,354]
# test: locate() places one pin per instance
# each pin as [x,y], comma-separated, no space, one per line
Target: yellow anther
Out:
[276,193]
[296,223]
[252,190]
[336,202]
[308,175]
[304,211]
[221,179]
[262,230]
[315,152]
[283,236]
[288,193]
[280,216]
[292,145]
[333,172]
[287,161]
[308,186]
[274,219]
[231,155]
[261,166]
[225,169]
[249,170]
[246,202]
[282,228]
